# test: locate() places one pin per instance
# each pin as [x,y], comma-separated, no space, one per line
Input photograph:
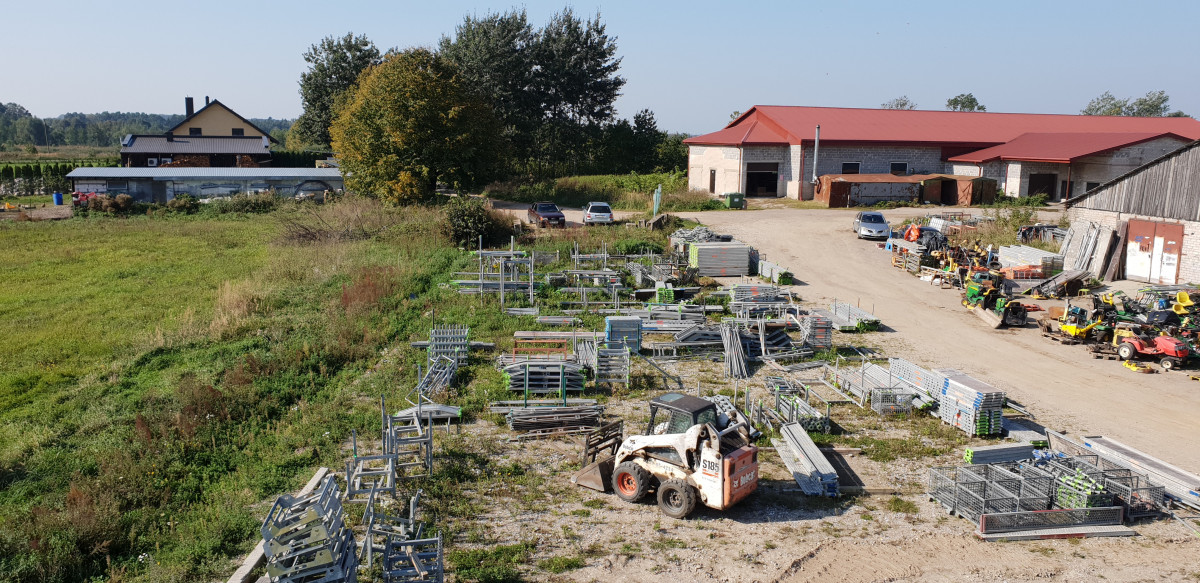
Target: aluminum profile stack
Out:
[624,330]
[450,341]
[754,293]
[848,318]
[305,539]
[994,454]
[545,378]
[816,331]
[814,463]
[971,405]
[1020,255]
[735,352]
[719,259]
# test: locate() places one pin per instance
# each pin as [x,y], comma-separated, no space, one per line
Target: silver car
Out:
[869,224]
[596,213]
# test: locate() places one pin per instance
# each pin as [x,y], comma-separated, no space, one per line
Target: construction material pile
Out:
[816,331]
[927,383]
[774,273]
[450,341]
[1181,485]
[735,353]
[544,378]
[994,454]
[874,386]
[970,404]
[612,364]
[438,377]
[810,468]
[698,234]
[792,406]
[848,318]
[406,555]
[306,538]
[719,259]
[533,422]
[1018,255]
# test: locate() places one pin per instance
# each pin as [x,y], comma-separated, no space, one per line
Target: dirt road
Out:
[1065,388]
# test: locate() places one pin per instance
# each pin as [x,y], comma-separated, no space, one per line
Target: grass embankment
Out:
[626,192]
[164,375]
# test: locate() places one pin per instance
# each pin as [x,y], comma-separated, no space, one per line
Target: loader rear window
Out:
[680,423]
[707,416]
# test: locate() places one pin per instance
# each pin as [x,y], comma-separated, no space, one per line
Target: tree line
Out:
[19,128]
[1153,104]
[499,99]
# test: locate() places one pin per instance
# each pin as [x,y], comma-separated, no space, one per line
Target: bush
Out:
[120,204]
[467,219]
[184,203]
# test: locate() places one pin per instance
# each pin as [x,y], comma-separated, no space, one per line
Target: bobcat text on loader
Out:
[692,451]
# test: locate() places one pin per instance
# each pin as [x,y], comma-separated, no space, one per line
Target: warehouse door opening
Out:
[1043,184]
[949,192]
[762,179]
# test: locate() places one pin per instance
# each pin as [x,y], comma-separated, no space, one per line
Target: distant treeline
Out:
[19,128]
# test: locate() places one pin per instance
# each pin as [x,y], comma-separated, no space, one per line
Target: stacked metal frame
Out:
[306,539]
[970,404]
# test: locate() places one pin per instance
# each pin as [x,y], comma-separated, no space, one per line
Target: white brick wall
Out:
[724,159]
[1189,262]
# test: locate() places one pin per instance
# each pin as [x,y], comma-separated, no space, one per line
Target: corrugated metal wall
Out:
[1169,188]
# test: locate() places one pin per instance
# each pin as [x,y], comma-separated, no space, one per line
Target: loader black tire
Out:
[676,498]
[630,481]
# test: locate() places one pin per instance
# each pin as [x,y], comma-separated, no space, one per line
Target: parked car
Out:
[871,224]
[596,213]
[546,214]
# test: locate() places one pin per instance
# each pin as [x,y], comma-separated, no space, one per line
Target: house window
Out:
[239,131]
[194,131]
[900,168]
[712,181]
[118,185]
[850,167]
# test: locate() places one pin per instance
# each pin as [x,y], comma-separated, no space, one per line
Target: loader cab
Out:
[677,412]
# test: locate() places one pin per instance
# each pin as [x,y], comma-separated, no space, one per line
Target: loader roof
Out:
[681,402]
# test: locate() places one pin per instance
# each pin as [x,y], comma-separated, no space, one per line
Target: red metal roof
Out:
[1061,148]
[796,124]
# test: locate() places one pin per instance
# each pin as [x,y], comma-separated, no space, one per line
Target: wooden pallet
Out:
[1059,338]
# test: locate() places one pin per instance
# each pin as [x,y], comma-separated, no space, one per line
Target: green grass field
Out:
[162,376]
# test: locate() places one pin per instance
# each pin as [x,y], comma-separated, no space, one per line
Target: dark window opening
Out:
[1091,186]
[1043,184]
[850,167]
[194,131]
[762,178]
[900,168]
[712,181]
[239,131]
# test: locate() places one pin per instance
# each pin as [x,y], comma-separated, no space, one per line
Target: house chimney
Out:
[170,136]
[188,107]
[205,101]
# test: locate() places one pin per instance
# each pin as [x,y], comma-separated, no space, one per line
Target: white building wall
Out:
[724,159]
[1189,260]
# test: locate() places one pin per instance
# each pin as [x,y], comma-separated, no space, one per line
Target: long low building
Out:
[163,184]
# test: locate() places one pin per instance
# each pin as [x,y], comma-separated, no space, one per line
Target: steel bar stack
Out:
[735,354]
[971,405]
[545,378]
[814,474]
[305,539]
[534,422]
[624,330]
[719,259]
[848,318]
[449,341]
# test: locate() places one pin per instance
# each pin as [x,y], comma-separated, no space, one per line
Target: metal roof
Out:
[796,124]
[121,173]
[160,144]
[1059,148]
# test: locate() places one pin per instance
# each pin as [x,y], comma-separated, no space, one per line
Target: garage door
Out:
[1152,253]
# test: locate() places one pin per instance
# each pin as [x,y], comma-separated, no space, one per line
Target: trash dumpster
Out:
[735,200]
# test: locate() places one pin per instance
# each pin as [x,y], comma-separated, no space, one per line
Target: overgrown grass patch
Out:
[561,564]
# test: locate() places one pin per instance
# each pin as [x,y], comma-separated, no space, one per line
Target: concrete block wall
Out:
[723,159]
[872,160]
[1189,261]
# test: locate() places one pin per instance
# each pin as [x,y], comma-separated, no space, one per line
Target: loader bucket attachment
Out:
[596,475]
[992,318]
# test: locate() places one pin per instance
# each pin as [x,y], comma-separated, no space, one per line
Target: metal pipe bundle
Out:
[811,459]
[543,421]
[735,355]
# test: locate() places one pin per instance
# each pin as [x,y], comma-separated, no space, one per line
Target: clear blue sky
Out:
[692,63]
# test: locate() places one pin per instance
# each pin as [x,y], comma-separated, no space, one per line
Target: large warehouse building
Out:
[770,150]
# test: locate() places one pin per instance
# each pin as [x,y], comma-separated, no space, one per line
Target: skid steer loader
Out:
[693,452]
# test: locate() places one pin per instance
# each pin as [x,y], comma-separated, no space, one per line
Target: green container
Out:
[735,200]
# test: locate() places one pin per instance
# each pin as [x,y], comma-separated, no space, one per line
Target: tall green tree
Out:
[333,66]
[495,57]
[902,102]
[1152,104]
[964,102]
[409,124]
